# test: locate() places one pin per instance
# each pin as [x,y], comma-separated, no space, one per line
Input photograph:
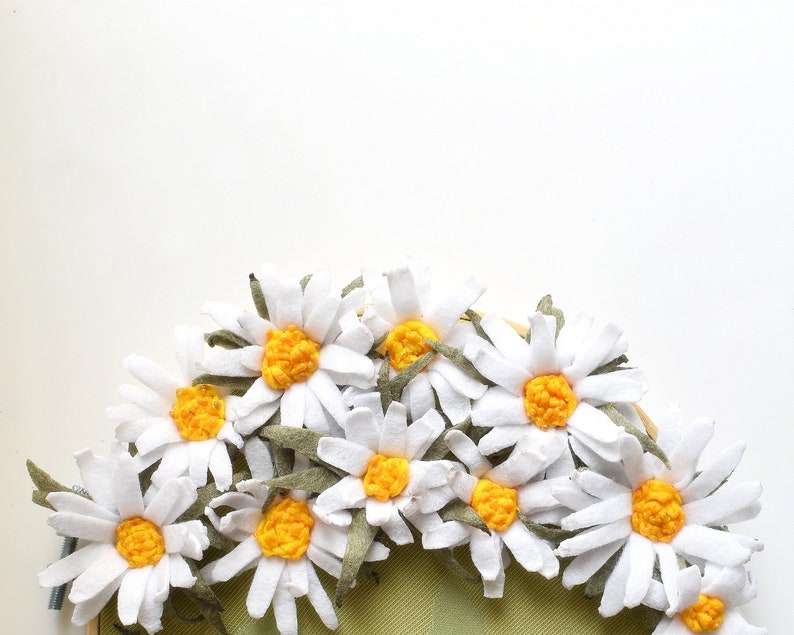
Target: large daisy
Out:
[185,427]
[548,386]
[403,316]
[382,456]
[310,343]
[283,544]
[498,494]
[656,515]
[134,548]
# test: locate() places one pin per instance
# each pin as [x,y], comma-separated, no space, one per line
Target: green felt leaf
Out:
[304,281]
[208,603]
[358,283]
[234,384]
[595,585]
[402,378]
[45,484]
[456,356]
[648,444]
[359,538]
[315,480]
[226,339]
[438,449]
[451,563]
[258,297]
[612,366]
[458,510]
[382,384]
[546,306]
[551,533]
[475,318]
[299,439]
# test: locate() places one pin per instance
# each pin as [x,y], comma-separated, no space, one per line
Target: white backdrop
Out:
[632,159]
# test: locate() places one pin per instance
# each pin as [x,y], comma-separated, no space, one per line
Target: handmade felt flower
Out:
[184,427]
[498,494]
[656,514]
[404,318]
[134,548]
[551,386]
[305,342]
[283,543]
[707,602]
[382,456]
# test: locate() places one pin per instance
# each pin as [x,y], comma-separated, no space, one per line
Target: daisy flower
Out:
[134,548]
[382,456]
[185,427]
[283,544]
[546,387]
[656,514]
[709,602]
[403,317]
[498,494]
[310,343]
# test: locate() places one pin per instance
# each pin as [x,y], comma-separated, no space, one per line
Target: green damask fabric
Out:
[417,595]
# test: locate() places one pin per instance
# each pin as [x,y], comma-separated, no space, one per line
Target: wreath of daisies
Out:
[326,427]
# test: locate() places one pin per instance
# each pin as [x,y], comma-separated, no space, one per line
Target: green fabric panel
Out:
[417,595]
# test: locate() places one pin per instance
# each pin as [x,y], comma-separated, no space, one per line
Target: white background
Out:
[632,159]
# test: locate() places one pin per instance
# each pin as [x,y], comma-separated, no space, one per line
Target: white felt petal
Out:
[498,407]
[457,379]
[404,296]
[615,587]
[669,571]
[503,437]
[220,467]
[347,493]
[606,511]
[258,457]
[106,569]
[324,560]
[237,560]
[199,459]
[161,433]
[598,485]
[238,362]
[462,484]
[152,376]
[726,501]
[453,404]
[289,308]
[492,365]
[320,600]
[131,592]
[328,394]
[95,476]
[171,500]
[541,346]
[225,315]
[379,513]
[341,453]
[393,431]
[446,313]
[571,337]
[347,367]
[83,527]
[362,429]
[518,468]
[71,502]
[354,336]
[494,588]
[450,534]
[146,399]
[272,286]
[84,612]
[507,340]
[524,546]
[330,538]
[634,463]
[684,458]
[293,406]
[594,424]
[174,463]
[421,434]
[68,568]
[641,557]
[594,353]
[397,530]
[263,586]
[418,396]
[322,319]
[486,554]
[717,546]
[594,538]
[127,413]
[317,289]
[127,488]
[187,538]
[258,394]
[584,566]
[735,624]
[608,387]
[715,473]
[179,572]
[285,611]
[189,349]
[377,287]
[298,584]
[463,447]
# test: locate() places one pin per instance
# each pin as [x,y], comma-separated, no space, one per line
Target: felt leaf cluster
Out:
[324,428]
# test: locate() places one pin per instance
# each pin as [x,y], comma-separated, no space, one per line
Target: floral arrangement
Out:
[326,428]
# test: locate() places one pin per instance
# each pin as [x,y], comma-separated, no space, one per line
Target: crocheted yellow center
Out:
[199,412]
[705,615]
[386,477]
[656,511]
[139,542]
[495,504]
[549,401]
[290,357]
[406,343]
[285,529]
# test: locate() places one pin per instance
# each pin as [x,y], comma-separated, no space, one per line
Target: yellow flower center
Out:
[386,477]
[285,529]
[495,504]
[199,412]
[139,542]
[656,511]
[705,615]
[406,343]
[549,401]
[290,357]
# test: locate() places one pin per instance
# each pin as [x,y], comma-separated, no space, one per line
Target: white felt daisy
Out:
[403,316]
[710,603]
[310,344]
[656,514]
[185,427]
[283,544]
[132,547]
[498,494]
[546,387]
[382,456]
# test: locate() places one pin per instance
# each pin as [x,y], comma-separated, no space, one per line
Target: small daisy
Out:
[133,547]
[311,343]
[656,515]
[185,427]
[283,544]
[382,455]
[545,387]
[403,316]
[498,494]
[709,603]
